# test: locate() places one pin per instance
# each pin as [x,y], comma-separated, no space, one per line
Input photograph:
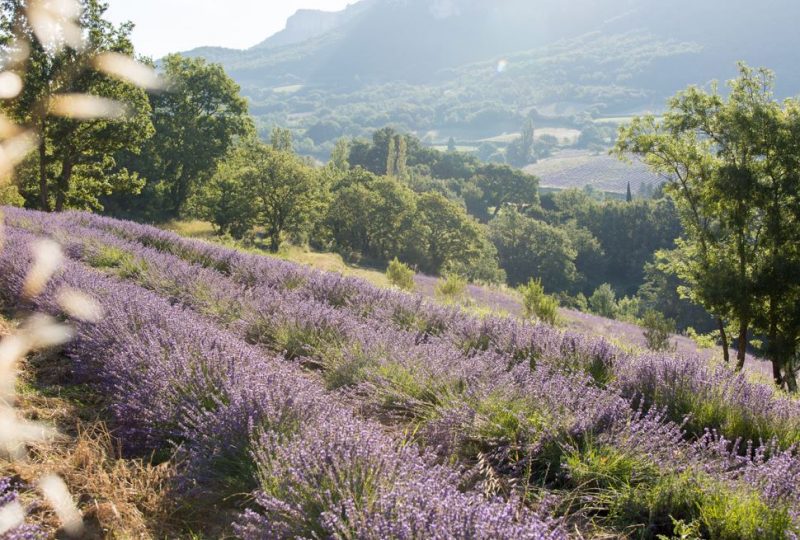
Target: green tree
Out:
[225,200]
[627,235]
[281,139]
[346,219]
[475,202]
[390,221]
[659,292]
[401,166]
[443,234]
[288,194]
[397,156]
[732,169]
[9,194]
[271,188]
[76,160]
[197,122]
[371,215]
[538,304]
[501,185]
[391,157]
[603,301]
[483,268]
[340,155]
[374,156]
[451,288]
[529,248]
[657,330]
[521,152]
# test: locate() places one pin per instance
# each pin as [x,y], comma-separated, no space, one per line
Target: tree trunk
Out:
[742,344]
[178,199]
[782,356]
[274,241]
[726,353]
[63,185]
[44,194]
[791,380]
[777,374]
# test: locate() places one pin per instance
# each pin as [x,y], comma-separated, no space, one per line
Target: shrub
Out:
[703,341]
[400,275]
[538,304]
[451,287]
[657,330]
[125,264]
[9,195]
[628,309]
[603,301]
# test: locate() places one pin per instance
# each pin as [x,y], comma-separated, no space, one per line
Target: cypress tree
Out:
[391,159]
[402,157]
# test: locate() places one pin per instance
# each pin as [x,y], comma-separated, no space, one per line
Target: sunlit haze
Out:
[164,26]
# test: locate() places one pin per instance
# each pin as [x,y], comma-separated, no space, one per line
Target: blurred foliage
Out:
[77,161]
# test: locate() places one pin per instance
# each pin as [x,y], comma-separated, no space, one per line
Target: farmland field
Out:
[260,376]
[577,169]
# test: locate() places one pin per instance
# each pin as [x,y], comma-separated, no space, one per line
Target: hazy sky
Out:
[164,26]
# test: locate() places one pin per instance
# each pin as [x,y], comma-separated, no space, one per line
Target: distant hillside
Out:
[310,23]
[474,69]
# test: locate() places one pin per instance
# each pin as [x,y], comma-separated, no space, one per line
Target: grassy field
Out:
[326,262]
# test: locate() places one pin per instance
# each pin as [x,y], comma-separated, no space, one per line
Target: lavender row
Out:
[712,396]
[467,395]
[481,402]
[661,444]
[243,420]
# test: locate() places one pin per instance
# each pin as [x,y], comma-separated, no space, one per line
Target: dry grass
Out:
[326,262]
[119,498]
[195,228]
[333,262]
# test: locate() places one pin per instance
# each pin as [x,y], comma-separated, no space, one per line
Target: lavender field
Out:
[577,169]
[309,405]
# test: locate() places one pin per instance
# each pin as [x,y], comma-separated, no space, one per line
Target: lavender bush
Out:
[175,379]
[204,347]
[9,505]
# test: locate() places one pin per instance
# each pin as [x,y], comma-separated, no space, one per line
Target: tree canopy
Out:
[733,169]
[76,162]
[259,185]
[197,121]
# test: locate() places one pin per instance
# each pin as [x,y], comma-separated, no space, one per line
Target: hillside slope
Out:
[388,41]
[261,380]
[472,69]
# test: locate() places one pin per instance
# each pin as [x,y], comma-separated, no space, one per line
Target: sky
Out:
[164,26]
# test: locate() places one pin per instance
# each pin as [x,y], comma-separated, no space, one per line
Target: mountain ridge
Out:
[474,69]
